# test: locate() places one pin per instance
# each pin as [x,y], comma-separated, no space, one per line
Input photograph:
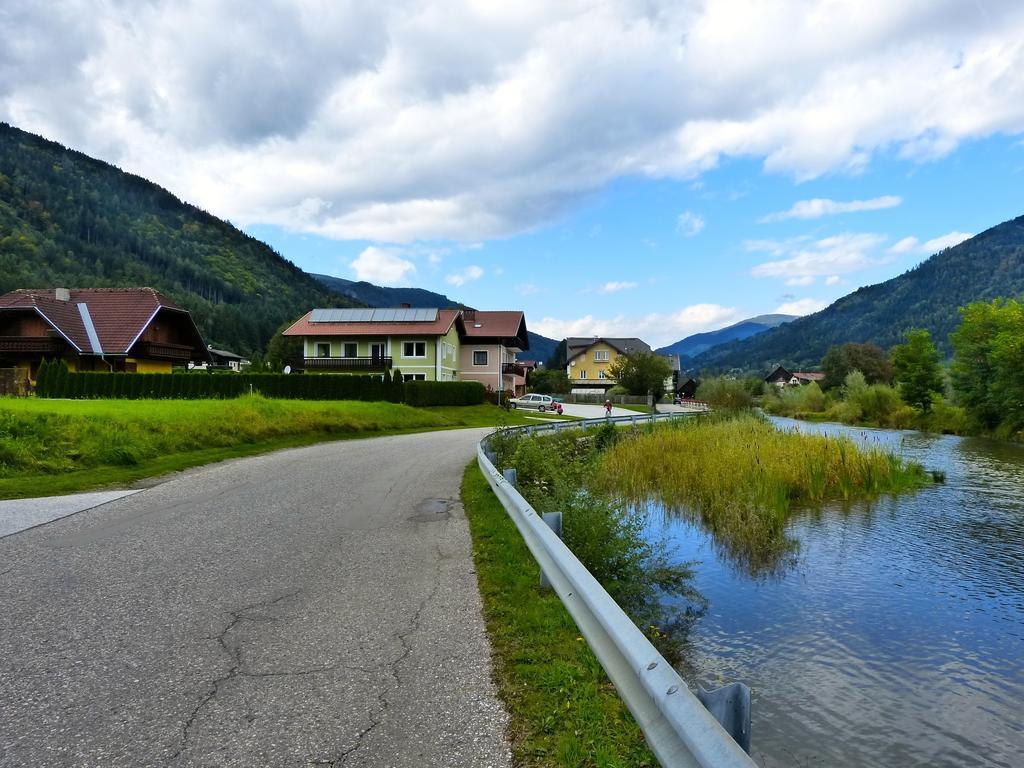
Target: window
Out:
[583,374]
[414,349]
[323,349]
[479,357]
[600,374]
[414,376]
[351,349]
[600,355]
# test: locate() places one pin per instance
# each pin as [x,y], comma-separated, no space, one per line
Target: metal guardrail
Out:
[678,728]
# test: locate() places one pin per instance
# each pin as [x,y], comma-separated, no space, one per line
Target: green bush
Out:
[724,394]
[54,381]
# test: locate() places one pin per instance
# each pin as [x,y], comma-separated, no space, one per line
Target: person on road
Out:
[607,407]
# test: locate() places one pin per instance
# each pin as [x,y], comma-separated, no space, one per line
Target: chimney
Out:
[405,305]
[62,294]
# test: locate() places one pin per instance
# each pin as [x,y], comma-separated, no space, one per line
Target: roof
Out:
[225,354]
[576,346]
[809,375]
[118,316]
[496,324]
[439,326]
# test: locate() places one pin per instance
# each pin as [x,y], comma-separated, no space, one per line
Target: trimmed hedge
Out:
[54,380]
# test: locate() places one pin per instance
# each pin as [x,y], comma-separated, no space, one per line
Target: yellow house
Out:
[589,359]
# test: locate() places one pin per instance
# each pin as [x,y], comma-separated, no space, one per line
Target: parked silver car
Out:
[538,402]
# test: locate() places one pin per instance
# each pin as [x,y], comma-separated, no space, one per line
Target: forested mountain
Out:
[67,220]
[693,345]
[986,266]
[381,296]
[541,347]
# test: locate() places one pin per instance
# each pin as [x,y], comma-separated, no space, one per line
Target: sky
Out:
[622,168]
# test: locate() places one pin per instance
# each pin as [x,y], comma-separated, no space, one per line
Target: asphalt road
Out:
[311,607]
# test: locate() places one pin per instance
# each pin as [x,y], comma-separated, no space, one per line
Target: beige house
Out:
[490,343]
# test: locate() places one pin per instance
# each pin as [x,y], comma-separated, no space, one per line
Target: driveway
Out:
[315,606]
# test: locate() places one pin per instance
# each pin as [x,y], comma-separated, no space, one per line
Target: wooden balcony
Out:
[44,345]
[346,364]
[161,350]
[514,369]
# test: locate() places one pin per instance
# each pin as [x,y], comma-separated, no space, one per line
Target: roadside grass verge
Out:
[742,478]
[564,710]
[50,447]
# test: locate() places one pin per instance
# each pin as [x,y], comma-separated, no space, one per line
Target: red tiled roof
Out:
[119,315]
[495,324]
[438,327]
[809,376]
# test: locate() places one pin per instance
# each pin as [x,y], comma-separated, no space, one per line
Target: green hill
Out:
[986,266]
[67,220]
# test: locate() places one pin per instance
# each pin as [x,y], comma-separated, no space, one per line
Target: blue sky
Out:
[623,255]
[622,167]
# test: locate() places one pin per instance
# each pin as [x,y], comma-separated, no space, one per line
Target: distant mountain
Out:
[987,266]
[379,296]
[541,347]
[67,220]
[693,345]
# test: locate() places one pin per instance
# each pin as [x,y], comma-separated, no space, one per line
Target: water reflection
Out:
[894,636]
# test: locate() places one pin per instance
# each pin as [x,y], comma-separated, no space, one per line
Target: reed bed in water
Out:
[742,477]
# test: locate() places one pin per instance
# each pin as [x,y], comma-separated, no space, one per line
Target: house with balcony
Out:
[133,330]
[491,341]
[424,344]
[588,360]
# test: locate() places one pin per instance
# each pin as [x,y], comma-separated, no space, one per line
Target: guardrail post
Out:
[510,476]
[554,522]
[730,706]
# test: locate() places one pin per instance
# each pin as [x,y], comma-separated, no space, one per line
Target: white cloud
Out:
[936,244]
[833,280]
[472,272]
[614,286]
[657,329]
[689,223]
[839,254]
[818,207]
[386,121]
[383,266]
[803,280]
[906,245]
[945,241]
[800,307]
[528,289]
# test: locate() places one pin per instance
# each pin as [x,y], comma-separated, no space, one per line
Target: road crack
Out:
[377,716]
[235,654]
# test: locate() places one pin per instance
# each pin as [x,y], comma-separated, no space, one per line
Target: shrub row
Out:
[54,380]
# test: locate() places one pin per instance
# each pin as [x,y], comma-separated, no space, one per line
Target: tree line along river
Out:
[894,634]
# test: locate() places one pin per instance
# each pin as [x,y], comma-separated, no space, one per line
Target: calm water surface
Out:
[896,637]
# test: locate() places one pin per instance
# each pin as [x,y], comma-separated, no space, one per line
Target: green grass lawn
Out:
[50,447]
[564,710]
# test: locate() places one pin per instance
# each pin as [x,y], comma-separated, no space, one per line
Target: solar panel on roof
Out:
[373,316]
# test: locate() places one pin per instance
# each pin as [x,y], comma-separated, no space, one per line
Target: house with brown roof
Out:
[780,377]
[424,344]
[97,329]
[490,343]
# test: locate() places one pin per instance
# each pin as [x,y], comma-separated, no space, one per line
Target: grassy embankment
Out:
[742,478]
[564,710]
[49,447]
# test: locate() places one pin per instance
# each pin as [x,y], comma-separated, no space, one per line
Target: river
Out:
[895,637]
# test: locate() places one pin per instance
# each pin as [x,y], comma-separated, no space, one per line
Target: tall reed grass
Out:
[742,477]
